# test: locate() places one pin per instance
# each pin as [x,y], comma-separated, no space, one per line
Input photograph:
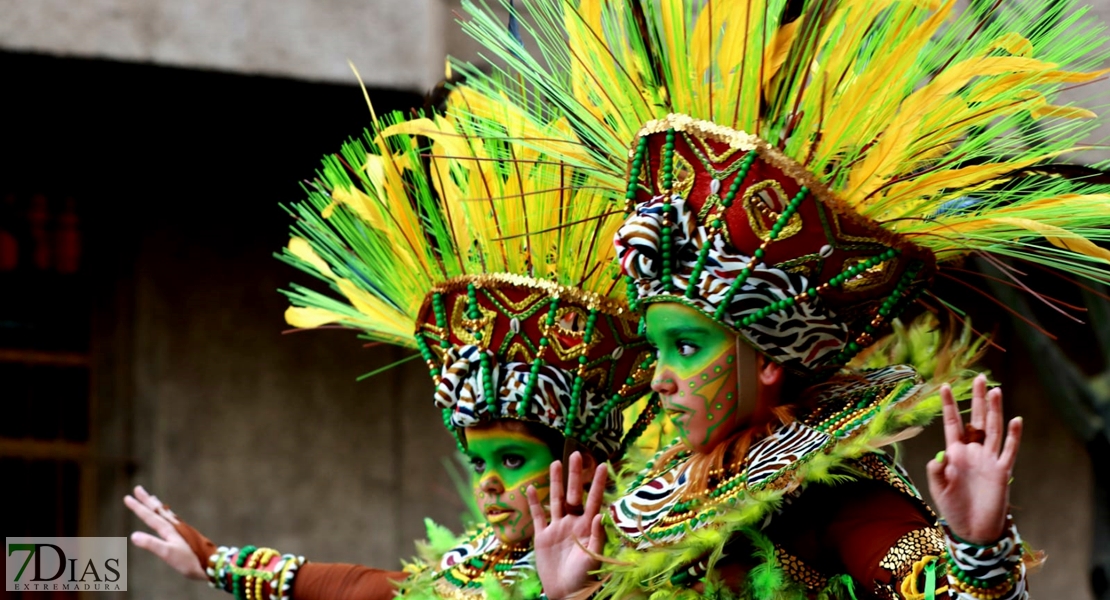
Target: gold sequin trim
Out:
[912,548]
[493,281]
[797,570]
[885,592]
[874,468]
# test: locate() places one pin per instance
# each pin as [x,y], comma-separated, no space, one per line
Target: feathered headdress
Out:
[800,170]
[491,261]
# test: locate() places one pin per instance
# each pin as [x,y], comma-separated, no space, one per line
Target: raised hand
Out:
[970,480]
[567,547]
[168,545]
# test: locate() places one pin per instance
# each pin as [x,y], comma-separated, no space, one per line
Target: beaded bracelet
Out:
[247,583]
[264,575]
[999,566]
[275,587]
[285,581]
[216,565]
[279,571]
[224,573]
[979,589]
[236,578]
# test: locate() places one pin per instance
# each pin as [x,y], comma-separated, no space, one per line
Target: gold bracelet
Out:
[259,582]
[248,579]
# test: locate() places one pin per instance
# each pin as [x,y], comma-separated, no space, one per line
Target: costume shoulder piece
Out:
[661,515]
[479,566]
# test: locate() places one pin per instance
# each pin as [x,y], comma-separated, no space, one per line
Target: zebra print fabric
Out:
[644,509]
[460,390]
[989,564]
[803,335]
[484,543]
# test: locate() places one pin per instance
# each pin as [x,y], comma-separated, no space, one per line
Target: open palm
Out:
[567,547]
[168,545]
[970,480]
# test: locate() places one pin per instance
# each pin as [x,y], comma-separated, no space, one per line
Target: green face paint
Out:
[696,374]
[506,462]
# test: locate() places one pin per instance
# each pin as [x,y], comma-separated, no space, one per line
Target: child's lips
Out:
[497,514]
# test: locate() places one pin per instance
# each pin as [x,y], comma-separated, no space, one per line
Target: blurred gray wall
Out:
[262,438]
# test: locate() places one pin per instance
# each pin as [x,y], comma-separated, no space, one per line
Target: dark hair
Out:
[794,388]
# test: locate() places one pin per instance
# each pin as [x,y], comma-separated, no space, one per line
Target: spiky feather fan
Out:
[915,114]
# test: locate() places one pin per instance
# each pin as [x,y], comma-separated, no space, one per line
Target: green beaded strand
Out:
[612,403]
[885,309]
[426,353]
[533,378]
[422,343]
[668,162]
[668,235]
[450,427]
[849,273]
[668,225]
[529,388]
[489,392]
[441,318]
[579,382]
[599,418]
[237,580]
[634,173]
[633,293]
[746,272]
[715,224]
[472,311]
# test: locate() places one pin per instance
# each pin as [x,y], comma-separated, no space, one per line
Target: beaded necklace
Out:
[833,419]
[503,562]
[724,486]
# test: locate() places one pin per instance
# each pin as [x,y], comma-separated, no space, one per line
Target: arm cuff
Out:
[977,572]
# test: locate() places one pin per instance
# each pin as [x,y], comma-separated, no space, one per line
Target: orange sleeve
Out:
[322,581]
[201,546]
[315,581]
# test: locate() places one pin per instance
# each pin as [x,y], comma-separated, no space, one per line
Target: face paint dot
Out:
[717,369]
[709,416]
[728,396]
[512,496]
[729,359]
[682,394]
[719,406]
[693,384]
[705,377]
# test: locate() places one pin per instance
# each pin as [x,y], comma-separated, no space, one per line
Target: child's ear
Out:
[770,372]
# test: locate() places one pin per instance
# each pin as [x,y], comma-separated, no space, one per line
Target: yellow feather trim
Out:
[1056,236]
[303,250]
[309,317]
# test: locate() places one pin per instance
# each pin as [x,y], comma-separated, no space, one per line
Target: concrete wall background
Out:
[393,44]
[262,438]
[398,44]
